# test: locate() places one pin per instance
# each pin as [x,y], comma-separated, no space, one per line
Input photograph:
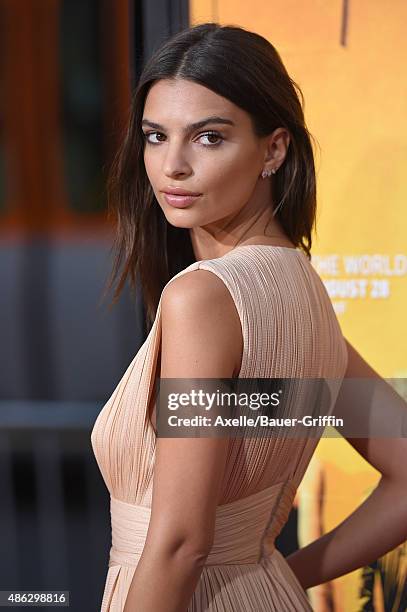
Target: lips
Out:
[179,191]
[180,201]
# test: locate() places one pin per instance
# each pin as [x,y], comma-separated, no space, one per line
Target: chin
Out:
[183,218]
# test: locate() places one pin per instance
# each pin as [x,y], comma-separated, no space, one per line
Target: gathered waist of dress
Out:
[245,529]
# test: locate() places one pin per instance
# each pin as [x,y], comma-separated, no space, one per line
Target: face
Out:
[219,160]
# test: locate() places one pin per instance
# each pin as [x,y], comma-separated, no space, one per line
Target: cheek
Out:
[154,176]
[151,168]
[237,159]
[234,176]
[219,171]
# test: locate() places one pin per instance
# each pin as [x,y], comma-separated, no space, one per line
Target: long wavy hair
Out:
[245,68]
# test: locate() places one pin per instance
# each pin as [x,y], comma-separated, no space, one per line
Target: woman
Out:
[217,169]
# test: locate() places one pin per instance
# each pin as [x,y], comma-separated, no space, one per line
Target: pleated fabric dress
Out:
[289,329]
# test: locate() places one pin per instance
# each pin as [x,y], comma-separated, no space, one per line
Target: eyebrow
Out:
[193,126]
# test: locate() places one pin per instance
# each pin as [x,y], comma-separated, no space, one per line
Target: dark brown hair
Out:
[247,70]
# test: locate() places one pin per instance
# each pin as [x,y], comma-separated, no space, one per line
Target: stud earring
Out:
[267,172]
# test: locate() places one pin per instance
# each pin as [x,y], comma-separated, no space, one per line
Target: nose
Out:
[175,162]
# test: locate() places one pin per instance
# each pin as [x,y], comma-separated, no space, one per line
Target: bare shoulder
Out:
[196,290]
[199,339]
[199,319]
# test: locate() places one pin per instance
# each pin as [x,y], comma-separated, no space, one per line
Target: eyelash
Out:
[209,133]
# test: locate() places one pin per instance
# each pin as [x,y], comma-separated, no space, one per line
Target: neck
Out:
[259,228]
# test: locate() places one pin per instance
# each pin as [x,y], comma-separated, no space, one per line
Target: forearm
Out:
[378,525]
[163,582]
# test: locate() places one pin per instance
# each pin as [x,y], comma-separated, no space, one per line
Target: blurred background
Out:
[67,72]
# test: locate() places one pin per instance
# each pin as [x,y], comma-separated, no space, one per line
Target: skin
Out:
[234,208]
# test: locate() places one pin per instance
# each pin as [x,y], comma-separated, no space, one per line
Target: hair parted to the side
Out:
[246,69]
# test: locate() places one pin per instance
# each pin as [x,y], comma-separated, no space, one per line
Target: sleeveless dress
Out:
[289,329]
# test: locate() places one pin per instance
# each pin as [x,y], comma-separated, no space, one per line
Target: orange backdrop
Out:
[348,58]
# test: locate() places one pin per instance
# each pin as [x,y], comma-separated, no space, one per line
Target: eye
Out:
[148,134]
[212,135]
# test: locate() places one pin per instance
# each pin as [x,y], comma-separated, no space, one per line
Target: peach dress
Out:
[289,330]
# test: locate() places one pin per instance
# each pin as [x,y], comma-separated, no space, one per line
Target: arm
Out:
[379,524]
[201,338]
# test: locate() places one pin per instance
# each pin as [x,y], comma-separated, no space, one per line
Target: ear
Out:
[276,148]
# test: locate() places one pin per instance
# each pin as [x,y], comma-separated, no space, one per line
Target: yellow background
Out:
[356,108]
